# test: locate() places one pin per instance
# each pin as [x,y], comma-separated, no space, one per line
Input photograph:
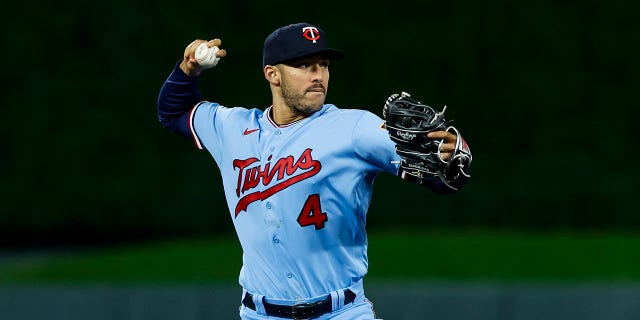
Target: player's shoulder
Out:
[353,115]
[348,114]
[228,112]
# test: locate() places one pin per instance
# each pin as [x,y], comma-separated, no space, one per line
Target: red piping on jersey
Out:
[196,140]
[268,112]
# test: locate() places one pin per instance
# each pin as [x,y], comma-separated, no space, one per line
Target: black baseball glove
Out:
[408,122]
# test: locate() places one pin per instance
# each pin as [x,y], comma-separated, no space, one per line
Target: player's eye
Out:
[322,64]
[301,64]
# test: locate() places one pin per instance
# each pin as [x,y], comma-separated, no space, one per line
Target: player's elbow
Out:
[175,122]
[170,124]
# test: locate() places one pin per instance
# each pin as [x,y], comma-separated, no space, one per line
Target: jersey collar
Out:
[273,123]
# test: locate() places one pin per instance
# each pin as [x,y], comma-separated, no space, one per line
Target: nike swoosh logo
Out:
[247,131]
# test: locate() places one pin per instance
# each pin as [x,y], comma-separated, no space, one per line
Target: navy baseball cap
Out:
[296,41]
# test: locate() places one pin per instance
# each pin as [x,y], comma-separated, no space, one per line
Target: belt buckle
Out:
[304,311]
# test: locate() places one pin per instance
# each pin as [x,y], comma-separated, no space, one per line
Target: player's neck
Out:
[283,115]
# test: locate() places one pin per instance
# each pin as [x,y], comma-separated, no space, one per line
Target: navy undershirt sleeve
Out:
[178,95]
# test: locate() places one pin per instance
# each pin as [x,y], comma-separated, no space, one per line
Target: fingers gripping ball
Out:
[206,56]
[408,122]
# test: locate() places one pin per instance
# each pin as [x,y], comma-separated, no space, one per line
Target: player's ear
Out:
[272,74]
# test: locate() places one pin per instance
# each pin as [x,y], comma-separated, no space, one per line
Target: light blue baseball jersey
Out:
[298,194]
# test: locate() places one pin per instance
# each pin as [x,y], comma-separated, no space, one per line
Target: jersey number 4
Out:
[311,213]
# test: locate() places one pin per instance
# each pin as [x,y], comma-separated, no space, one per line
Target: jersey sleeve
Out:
[372,143]
[206,121]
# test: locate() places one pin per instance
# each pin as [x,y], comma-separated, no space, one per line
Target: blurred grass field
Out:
[425,255]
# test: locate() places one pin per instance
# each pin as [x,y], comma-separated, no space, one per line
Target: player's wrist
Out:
[190,69]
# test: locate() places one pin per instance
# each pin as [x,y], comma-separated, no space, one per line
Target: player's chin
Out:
[310,108]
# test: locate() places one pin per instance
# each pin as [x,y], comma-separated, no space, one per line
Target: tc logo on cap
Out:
[296,41]
[311,33]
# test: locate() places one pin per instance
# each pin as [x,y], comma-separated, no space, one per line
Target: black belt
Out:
[298,311]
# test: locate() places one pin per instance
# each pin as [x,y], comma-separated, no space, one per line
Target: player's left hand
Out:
[448,145]
[432,152]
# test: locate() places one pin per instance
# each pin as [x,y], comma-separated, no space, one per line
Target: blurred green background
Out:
[543,91]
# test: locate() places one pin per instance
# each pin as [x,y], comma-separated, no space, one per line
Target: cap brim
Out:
[332,54]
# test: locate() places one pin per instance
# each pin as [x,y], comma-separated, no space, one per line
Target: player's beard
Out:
[298,102]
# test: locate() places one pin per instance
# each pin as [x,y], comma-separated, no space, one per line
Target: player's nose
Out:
[317,74]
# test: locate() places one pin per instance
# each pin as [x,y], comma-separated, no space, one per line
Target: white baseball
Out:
[206,56]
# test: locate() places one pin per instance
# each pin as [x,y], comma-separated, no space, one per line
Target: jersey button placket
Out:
[275,239]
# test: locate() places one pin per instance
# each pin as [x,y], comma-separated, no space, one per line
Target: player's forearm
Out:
[178,95]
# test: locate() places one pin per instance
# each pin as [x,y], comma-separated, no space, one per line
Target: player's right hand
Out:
[189,64]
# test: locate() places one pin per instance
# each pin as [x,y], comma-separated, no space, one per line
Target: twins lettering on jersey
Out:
[286,171]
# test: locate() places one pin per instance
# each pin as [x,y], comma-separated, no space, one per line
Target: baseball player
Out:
[297,175]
